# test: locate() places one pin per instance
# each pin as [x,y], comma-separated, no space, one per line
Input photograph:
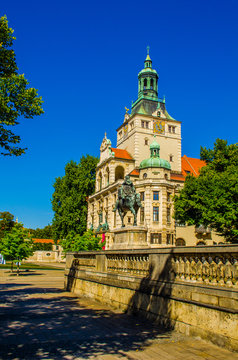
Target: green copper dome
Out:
[154,145]
[154,160]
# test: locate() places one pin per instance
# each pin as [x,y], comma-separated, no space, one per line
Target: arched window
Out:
[180,242]
[107,176]
[201,243]
[145,83]
[119,173]
[100,181]
[151,84]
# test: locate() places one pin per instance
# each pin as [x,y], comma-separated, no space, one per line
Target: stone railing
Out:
[137,264]
[191,289]
[208,268]
[215,265]
[83,261]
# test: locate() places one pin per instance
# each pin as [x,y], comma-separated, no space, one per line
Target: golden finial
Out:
[126,109]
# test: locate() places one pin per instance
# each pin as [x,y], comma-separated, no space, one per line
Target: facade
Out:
[149,150]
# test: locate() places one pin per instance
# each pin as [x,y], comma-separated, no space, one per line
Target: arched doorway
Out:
[180,242]
[201,243]
[119,173]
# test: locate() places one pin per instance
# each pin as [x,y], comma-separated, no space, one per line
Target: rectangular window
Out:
[142,214]
[155,195]
[129,220]
[142,124]
[168,239]
[171,129]
[146,141]
[171,158]
[156,238]
[142,196]
[147,125]
[168,196]
[156,213]
[168,215]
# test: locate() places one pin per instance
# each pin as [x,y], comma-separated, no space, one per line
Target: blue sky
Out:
[84,58]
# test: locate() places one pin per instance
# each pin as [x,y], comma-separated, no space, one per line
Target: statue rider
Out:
[126,190]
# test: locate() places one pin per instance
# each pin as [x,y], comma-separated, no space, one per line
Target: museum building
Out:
[149,150]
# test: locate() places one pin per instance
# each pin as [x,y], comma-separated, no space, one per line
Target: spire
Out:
[148,61]
[148,54]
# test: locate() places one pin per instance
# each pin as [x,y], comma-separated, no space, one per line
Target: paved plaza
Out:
[39,320]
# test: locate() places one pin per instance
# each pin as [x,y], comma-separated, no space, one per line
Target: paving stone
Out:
[39,320]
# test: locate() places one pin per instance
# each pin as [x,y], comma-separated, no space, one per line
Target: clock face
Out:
[159,127]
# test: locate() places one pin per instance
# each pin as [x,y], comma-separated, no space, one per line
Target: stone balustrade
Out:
[217,265]
[137,264]
[191,289]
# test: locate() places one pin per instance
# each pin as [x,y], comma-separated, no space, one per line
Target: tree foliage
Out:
[16,97]
[69,200]
[42,246]
[46,233]
[16,244]
[211,198]
[86,242]
[6,222]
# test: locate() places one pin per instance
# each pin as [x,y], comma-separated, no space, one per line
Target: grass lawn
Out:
[25,266]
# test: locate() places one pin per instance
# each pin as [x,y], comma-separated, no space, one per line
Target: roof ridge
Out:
[186,158]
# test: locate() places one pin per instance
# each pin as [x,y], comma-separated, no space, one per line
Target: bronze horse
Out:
[127,203]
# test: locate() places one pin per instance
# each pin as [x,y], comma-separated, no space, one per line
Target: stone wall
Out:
[46,256]
[191,289]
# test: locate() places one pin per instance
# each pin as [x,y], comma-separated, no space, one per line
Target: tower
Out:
[149,117]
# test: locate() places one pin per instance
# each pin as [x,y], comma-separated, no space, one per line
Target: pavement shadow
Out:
[53,325]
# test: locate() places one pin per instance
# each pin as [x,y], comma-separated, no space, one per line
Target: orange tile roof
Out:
[191,166]
[48,241]
[135,172]
[122,154]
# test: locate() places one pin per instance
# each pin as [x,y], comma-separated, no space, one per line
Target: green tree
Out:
[211,198]
[45,233]
[69,200]
[86,242]
[16,97]
[6,222]
[16,244]
[42,246]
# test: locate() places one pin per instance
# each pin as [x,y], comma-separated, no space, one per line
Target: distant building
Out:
[55,254]
[149,150]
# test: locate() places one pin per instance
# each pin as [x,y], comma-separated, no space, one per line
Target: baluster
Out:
[199,269]
[192,269]
[205,270]
[186,268]
[228,272]
[181,268]
[235,272]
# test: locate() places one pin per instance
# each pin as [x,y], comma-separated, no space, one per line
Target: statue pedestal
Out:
[133,237]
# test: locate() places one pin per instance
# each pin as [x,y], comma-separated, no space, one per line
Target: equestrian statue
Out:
[128,200]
